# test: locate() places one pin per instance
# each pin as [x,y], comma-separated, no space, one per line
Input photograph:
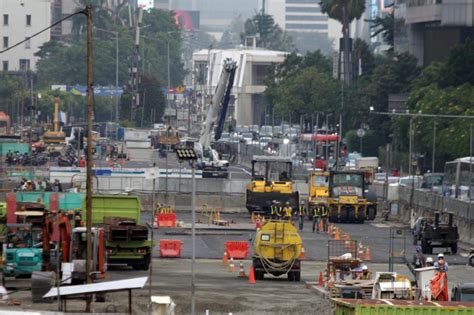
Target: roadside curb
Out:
[314,287]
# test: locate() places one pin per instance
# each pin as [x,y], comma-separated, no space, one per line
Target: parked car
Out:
[248,136]
[266,131]
[463,292]
[433,181]
[277,131]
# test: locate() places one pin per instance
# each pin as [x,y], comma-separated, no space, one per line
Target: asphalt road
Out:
[374,234]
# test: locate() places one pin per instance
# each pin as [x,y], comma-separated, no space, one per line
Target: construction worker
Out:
[316,213]
[365,274]
[273,209]
[279,210]
[287,211]
[324,218]
[301,214]
[441,264]
[429,262]
[419,260]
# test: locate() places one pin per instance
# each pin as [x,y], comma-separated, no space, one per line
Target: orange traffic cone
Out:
[231,265]
[242,271]
[225,259]
[360,251]
[368,255]
[337,236]
[251,275]
[303,253]
[321,279]
[321,226]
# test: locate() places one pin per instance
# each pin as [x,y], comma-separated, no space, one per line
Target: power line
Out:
[43,30]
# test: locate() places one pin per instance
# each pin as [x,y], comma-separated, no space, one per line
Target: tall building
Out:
[20,20]
[215,15]
[428,29]
[310,28]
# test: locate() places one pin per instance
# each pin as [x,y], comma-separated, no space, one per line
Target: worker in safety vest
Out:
[316,214]
[287,211]
[273,209]
[324,218]
[302,214]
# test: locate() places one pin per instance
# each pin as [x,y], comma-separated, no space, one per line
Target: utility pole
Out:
[410,147]
[134,70]
[433,159]
[90,110]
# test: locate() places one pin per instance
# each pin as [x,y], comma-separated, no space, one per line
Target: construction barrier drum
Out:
[166,220]
[237,249]
[170,248]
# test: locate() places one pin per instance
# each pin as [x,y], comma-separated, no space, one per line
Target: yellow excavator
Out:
[56,136]
[271,181]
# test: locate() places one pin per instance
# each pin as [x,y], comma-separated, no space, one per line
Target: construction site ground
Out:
[221,291]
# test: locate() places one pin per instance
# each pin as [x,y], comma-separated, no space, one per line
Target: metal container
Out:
[400,307]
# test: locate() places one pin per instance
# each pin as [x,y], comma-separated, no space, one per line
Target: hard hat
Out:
[287,203]
[440,255]
[429,260]
[302,202]
[365,267]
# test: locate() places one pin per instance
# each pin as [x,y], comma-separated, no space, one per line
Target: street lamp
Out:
[190,155]
[116,67]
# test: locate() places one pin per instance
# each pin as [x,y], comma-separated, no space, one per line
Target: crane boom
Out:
[225,83]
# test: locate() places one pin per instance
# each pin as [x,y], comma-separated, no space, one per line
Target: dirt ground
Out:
[219,291]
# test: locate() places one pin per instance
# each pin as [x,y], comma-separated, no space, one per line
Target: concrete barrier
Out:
[425,203]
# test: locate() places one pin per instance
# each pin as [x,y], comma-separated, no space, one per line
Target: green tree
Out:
[269,35]
[384,25]
[345,11]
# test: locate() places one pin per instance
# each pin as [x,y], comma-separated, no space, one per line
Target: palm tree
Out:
[345,11]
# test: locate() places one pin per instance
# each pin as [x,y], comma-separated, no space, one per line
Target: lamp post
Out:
[190,155]
[116,67]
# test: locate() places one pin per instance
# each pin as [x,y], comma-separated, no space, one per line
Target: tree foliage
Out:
[65,63]
[269,35]
[444,88]
[334,9]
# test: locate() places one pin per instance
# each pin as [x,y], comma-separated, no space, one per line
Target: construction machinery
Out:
[347,200]
[208,158]
[318,190]
[56,136]
[432,232]
[40,240]
[127,242]
[277,248]
[271,182]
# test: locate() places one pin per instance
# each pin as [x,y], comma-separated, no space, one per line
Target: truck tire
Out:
[372,212]
[297,276]
[350,215]
[259,275]
[471,261]
[360,216]
[454,248]
[291,276]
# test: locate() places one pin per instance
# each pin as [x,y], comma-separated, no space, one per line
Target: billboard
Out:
[187,20]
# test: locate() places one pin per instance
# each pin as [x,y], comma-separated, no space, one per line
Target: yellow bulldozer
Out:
[271,181]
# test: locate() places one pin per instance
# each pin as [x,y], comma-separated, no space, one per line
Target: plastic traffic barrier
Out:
[170,248]
[166,220]
[237,249]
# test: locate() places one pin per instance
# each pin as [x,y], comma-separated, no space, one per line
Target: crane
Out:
[208,158]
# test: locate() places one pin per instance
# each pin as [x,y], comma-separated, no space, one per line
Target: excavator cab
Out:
[271,181]
[318,189]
